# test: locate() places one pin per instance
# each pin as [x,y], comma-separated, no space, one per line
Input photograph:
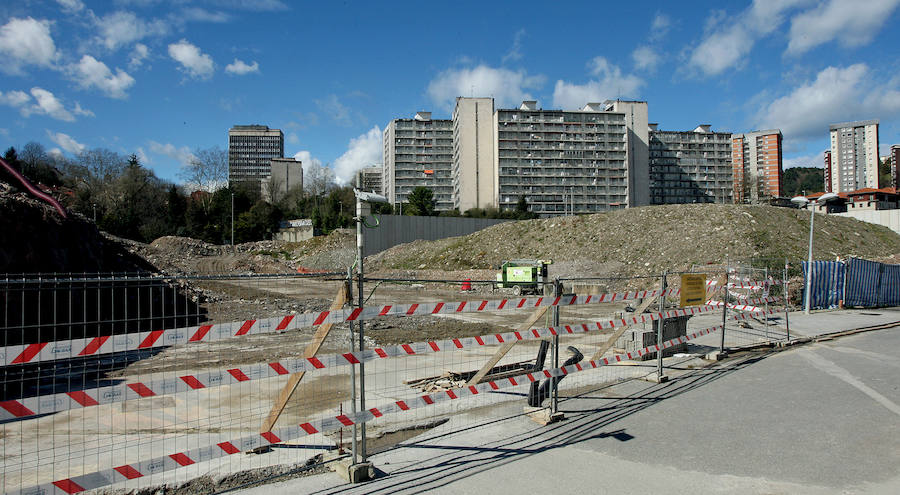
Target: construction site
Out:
[181,367]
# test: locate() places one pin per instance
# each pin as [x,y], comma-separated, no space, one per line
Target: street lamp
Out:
[803,201]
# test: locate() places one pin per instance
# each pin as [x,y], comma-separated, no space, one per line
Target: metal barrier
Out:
[215,400]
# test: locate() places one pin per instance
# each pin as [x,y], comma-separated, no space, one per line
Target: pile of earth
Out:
[648,240]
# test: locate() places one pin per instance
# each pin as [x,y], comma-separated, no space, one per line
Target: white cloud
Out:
[71,5]
[66,142]
[836,95]
[659,28]
[193,62]
[814,160]
[728,39]
[239,67]
[121,28]
[182,155]
[609,83]
[363,151]
[645,58]
[139,53]
[82,111]
[515,52]
[202,15]
[851,23]
[90,72]
[47,104]
[506,86]
[142,156]
[254,5]
[307,159]
[292,138]
[26,42]
[14,98]
[339,113]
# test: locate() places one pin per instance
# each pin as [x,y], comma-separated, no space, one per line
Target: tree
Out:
[422,201]
[207,169]
[884,173]
[317,179]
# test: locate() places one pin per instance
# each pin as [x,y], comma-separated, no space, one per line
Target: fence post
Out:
[353,445]
[766,299]
[724,307]
[554,390]
[660,327]
[784,283]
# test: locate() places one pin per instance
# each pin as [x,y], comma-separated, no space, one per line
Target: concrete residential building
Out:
[418,152]
[690,166]
[757,166]
[475,183]
[286,174]
[638,140]
[369,179]
[251,149]
[827,171]
[895,166]
[561,160]
[854,155]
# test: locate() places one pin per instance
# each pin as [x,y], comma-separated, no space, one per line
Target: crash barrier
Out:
[856,283]
[67,428]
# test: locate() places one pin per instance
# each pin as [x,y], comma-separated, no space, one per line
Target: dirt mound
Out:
[36,238]
[648,240]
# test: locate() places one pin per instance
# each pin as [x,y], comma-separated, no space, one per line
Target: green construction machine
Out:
[523,276]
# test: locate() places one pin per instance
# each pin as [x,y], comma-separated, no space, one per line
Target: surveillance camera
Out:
[369,197]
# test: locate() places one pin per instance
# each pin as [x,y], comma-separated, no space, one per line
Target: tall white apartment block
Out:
[638,148]
[854,155]
[418,152]
[474,175]
[562,160]
[690,166]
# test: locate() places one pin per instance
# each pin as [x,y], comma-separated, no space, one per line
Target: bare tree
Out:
[317,179]
[102,164]
[207,169]
[33,154]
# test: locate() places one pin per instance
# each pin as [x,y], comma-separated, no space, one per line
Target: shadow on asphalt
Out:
[462,461]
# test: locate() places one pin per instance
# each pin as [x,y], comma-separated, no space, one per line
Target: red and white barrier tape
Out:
[49,351]
[44,404]
[126,472]
[748,303]
[754,285]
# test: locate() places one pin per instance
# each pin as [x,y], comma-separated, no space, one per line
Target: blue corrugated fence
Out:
[871,284]
[827,283]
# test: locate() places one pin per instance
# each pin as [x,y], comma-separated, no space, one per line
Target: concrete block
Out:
[656,378]
[716,356]
[543,416]
[354,473]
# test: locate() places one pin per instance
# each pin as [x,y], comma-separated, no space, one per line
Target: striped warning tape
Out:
[45,404]
[169,462]
[93,346]
[748,304]
[755,285]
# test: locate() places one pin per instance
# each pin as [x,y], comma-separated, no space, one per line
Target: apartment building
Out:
[369,179]
[756,159]
[827,174]
[561,160]
[474,175]
[854,156]
[285,174]
[251,149]
[690,166]
[895,166]
[418,152]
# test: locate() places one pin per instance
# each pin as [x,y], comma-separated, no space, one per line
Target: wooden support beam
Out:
[284,396]
[537,315]
[618,333]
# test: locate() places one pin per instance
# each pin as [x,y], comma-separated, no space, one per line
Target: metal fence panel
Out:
[827,288]
[396,229]
[862,282]
[889,288]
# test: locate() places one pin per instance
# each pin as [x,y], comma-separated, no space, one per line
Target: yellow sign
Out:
[693,289]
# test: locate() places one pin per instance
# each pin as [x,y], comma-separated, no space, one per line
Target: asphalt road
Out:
[818,418]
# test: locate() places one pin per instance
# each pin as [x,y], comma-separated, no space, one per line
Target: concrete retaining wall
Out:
[395,229]
[888,218]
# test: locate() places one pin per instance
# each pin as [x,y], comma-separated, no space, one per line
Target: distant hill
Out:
[799,179]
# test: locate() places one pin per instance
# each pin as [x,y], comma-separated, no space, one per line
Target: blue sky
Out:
[162,78]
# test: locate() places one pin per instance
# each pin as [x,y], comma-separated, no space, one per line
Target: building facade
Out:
[690,166]
[418,152]
[285,174]
[251,149]
[854,155]
[756,159]
[895,166]
[474,176]
[827,174]
[561,161]
[638,148]
[369,179]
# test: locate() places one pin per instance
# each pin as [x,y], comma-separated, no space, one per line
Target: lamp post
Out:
[803,201]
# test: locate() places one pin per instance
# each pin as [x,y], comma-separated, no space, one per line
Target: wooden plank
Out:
[618,333]
[321,333]
[537,315]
